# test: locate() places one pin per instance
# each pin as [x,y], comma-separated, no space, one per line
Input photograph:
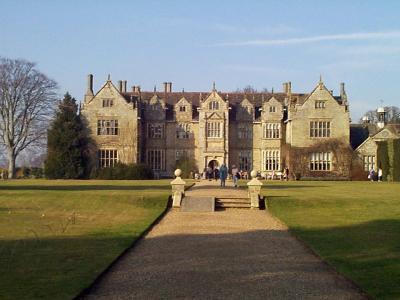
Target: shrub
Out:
[122,171]
[37,173]
[187,165]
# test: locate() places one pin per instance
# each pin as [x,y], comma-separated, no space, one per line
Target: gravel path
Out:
[232,254]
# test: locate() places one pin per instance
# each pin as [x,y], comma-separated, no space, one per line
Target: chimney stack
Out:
[167,87]
[89,93]
[90,85]
[342,90]
[289,87]
[284,86]
[136,88]
[343,95]
[120,86]
[124,86]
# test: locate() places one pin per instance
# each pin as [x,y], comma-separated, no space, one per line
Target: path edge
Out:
[313,252]
[85,291]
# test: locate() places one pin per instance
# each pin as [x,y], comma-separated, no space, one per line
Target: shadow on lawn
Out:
[369,253]
[84,187]
[197,264]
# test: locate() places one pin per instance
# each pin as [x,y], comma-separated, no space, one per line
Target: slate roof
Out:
[358,134]
[233,97]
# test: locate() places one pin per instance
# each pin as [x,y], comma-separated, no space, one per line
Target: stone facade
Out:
[252,131]
[367,150]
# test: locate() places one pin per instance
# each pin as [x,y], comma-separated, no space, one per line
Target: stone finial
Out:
[178,172]
[253,174]
[213,86]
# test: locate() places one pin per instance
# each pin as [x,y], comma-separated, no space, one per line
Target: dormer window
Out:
[272,109]
[108,102]
[319,104]
[182,108]
[213,105]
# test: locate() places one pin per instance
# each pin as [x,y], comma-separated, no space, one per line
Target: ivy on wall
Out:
[388,158]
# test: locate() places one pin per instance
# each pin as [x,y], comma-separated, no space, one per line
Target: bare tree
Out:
[249,89]
[27,101]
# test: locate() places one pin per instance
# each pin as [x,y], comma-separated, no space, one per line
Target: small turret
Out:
[366,120]
[381,117]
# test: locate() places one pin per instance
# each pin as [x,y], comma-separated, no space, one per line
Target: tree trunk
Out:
[11,163]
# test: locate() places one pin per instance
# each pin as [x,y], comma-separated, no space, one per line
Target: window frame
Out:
[108,127]
[107,157]
[321,161]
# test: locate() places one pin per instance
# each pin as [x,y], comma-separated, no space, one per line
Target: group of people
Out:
[372,175]
[223,173]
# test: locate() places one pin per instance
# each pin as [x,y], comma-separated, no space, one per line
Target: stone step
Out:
[232,205]
[232,202]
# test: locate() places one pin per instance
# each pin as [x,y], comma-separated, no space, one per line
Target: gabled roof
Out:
[194,97]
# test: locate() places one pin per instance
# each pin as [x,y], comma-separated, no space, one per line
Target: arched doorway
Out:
[213,164]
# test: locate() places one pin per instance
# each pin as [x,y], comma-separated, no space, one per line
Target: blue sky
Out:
[193,43]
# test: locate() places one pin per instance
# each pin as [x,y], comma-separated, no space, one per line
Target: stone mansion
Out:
[252,131]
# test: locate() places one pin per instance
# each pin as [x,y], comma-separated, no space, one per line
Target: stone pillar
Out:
[178,189]
[254,186]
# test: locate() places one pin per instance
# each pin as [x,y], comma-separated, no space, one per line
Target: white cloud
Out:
[315,39]
[242,29]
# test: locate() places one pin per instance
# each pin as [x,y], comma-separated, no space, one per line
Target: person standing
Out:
[223,173]
[380,174]
[209,173]
[371,174]
[287,173]
[235,172]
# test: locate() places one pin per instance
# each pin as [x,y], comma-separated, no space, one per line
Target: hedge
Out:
[122,172]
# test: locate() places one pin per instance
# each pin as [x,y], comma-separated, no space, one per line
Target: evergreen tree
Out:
[66,143]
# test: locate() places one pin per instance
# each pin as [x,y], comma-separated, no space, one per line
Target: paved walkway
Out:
[232,254]
[213,188]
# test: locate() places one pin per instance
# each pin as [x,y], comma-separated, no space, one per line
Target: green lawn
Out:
[57,236]
[355,226]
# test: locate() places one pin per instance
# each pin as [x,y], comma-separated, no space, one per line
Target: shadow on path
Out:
[255,264]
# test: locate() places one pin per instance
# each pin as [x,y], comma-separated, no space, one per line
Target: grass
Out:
[354,226]
[57,236]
